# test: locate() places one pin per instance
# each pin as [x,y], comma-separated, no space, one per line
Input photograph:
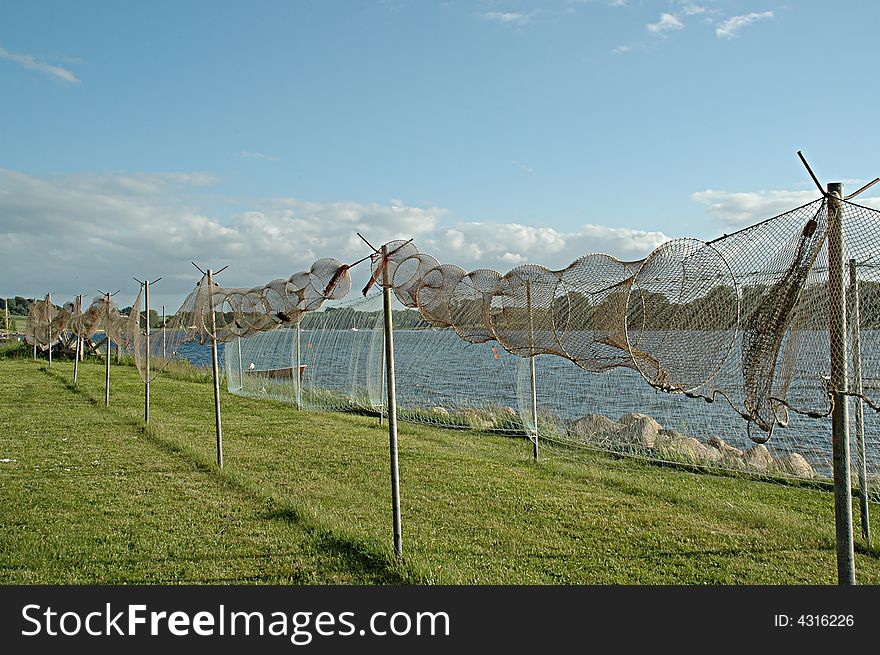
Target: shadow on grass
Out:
[357,557]
[868,551]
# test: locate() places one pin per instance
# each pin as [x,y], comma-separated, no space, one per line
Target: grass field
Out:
[16,323]
[91,497]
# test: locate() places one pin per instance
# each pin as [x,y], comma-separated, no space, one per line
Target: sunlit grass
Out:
[93,497]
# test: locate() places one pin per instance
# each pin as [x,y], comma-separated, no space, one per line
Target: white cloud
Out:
[247,154]
[622,49]
[692,9]
[738,209]
[508,17]
[729,28]
[73,234]
[523,167]
[32,63]
[667,23]
[499,245]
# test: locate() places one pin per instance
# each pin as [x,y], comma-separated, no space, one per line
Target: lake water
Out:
[436,369]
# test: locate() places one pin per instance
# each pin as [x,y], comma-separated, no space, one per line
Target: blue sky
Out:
[137,136]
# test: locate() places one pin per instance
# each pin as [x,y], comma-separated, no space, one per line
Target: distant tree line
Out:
[345,318]
[18,306]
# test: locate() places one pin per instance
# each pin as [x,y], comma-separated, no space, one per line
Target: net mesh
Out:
[48,323]
[226,314]
[744,319]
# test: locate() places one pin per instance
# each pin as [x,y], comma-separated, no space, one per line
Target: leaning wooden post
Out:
[147,351]
[392,403]
[49,325]
[856,336]
[846,573]
[109,352]
[532,370]
[215,369]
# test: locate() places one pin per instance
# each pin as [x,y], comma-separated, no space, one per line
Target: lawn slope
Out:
[93,497]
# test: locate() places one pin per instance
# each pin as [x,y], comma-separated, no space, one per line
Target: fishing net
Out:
[121,329]
[743,317]
[45,323]
[339,353]
[683,293]
[598,289]
[213,312]
[529,308]
[84,323]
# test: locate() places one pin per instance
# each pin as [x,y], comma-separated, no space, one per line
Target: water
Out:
[199,354]
[437,371]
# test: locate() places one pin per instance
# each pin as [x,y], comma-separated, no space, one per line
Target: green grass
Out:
[304,498]
[16,323]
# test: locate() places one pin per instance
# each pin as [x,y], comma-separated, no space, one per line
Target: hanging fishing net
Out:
[212,312]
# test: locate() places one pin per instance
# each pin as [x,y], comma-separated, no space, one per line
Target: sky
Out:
[137,137]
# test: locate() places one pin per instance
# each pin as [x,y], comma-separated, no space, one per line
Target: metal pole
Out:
[215,369]
[382,384]
[392,405]
[240,370]
[76,361]
[296,373]
[147,363]
[78,343]
[532,371]
[846,573]
[49,325]
[6,315]
[82,342]
[856,336]
[109,351]
[163,333]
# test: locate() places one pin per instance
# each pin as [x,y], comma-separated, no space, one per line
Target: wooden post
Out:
[846,574]
[82,342]
[6,315]
[109,352]
[76,359]
[382,384]
[296,374]
[163,335]
[215,369]
[392,405]
[147,351]
[49,325]
[532,370]
[858,405]
[240,369]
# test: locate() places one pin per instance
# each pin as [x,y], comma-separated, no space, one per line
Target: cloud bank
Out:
[78,233]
